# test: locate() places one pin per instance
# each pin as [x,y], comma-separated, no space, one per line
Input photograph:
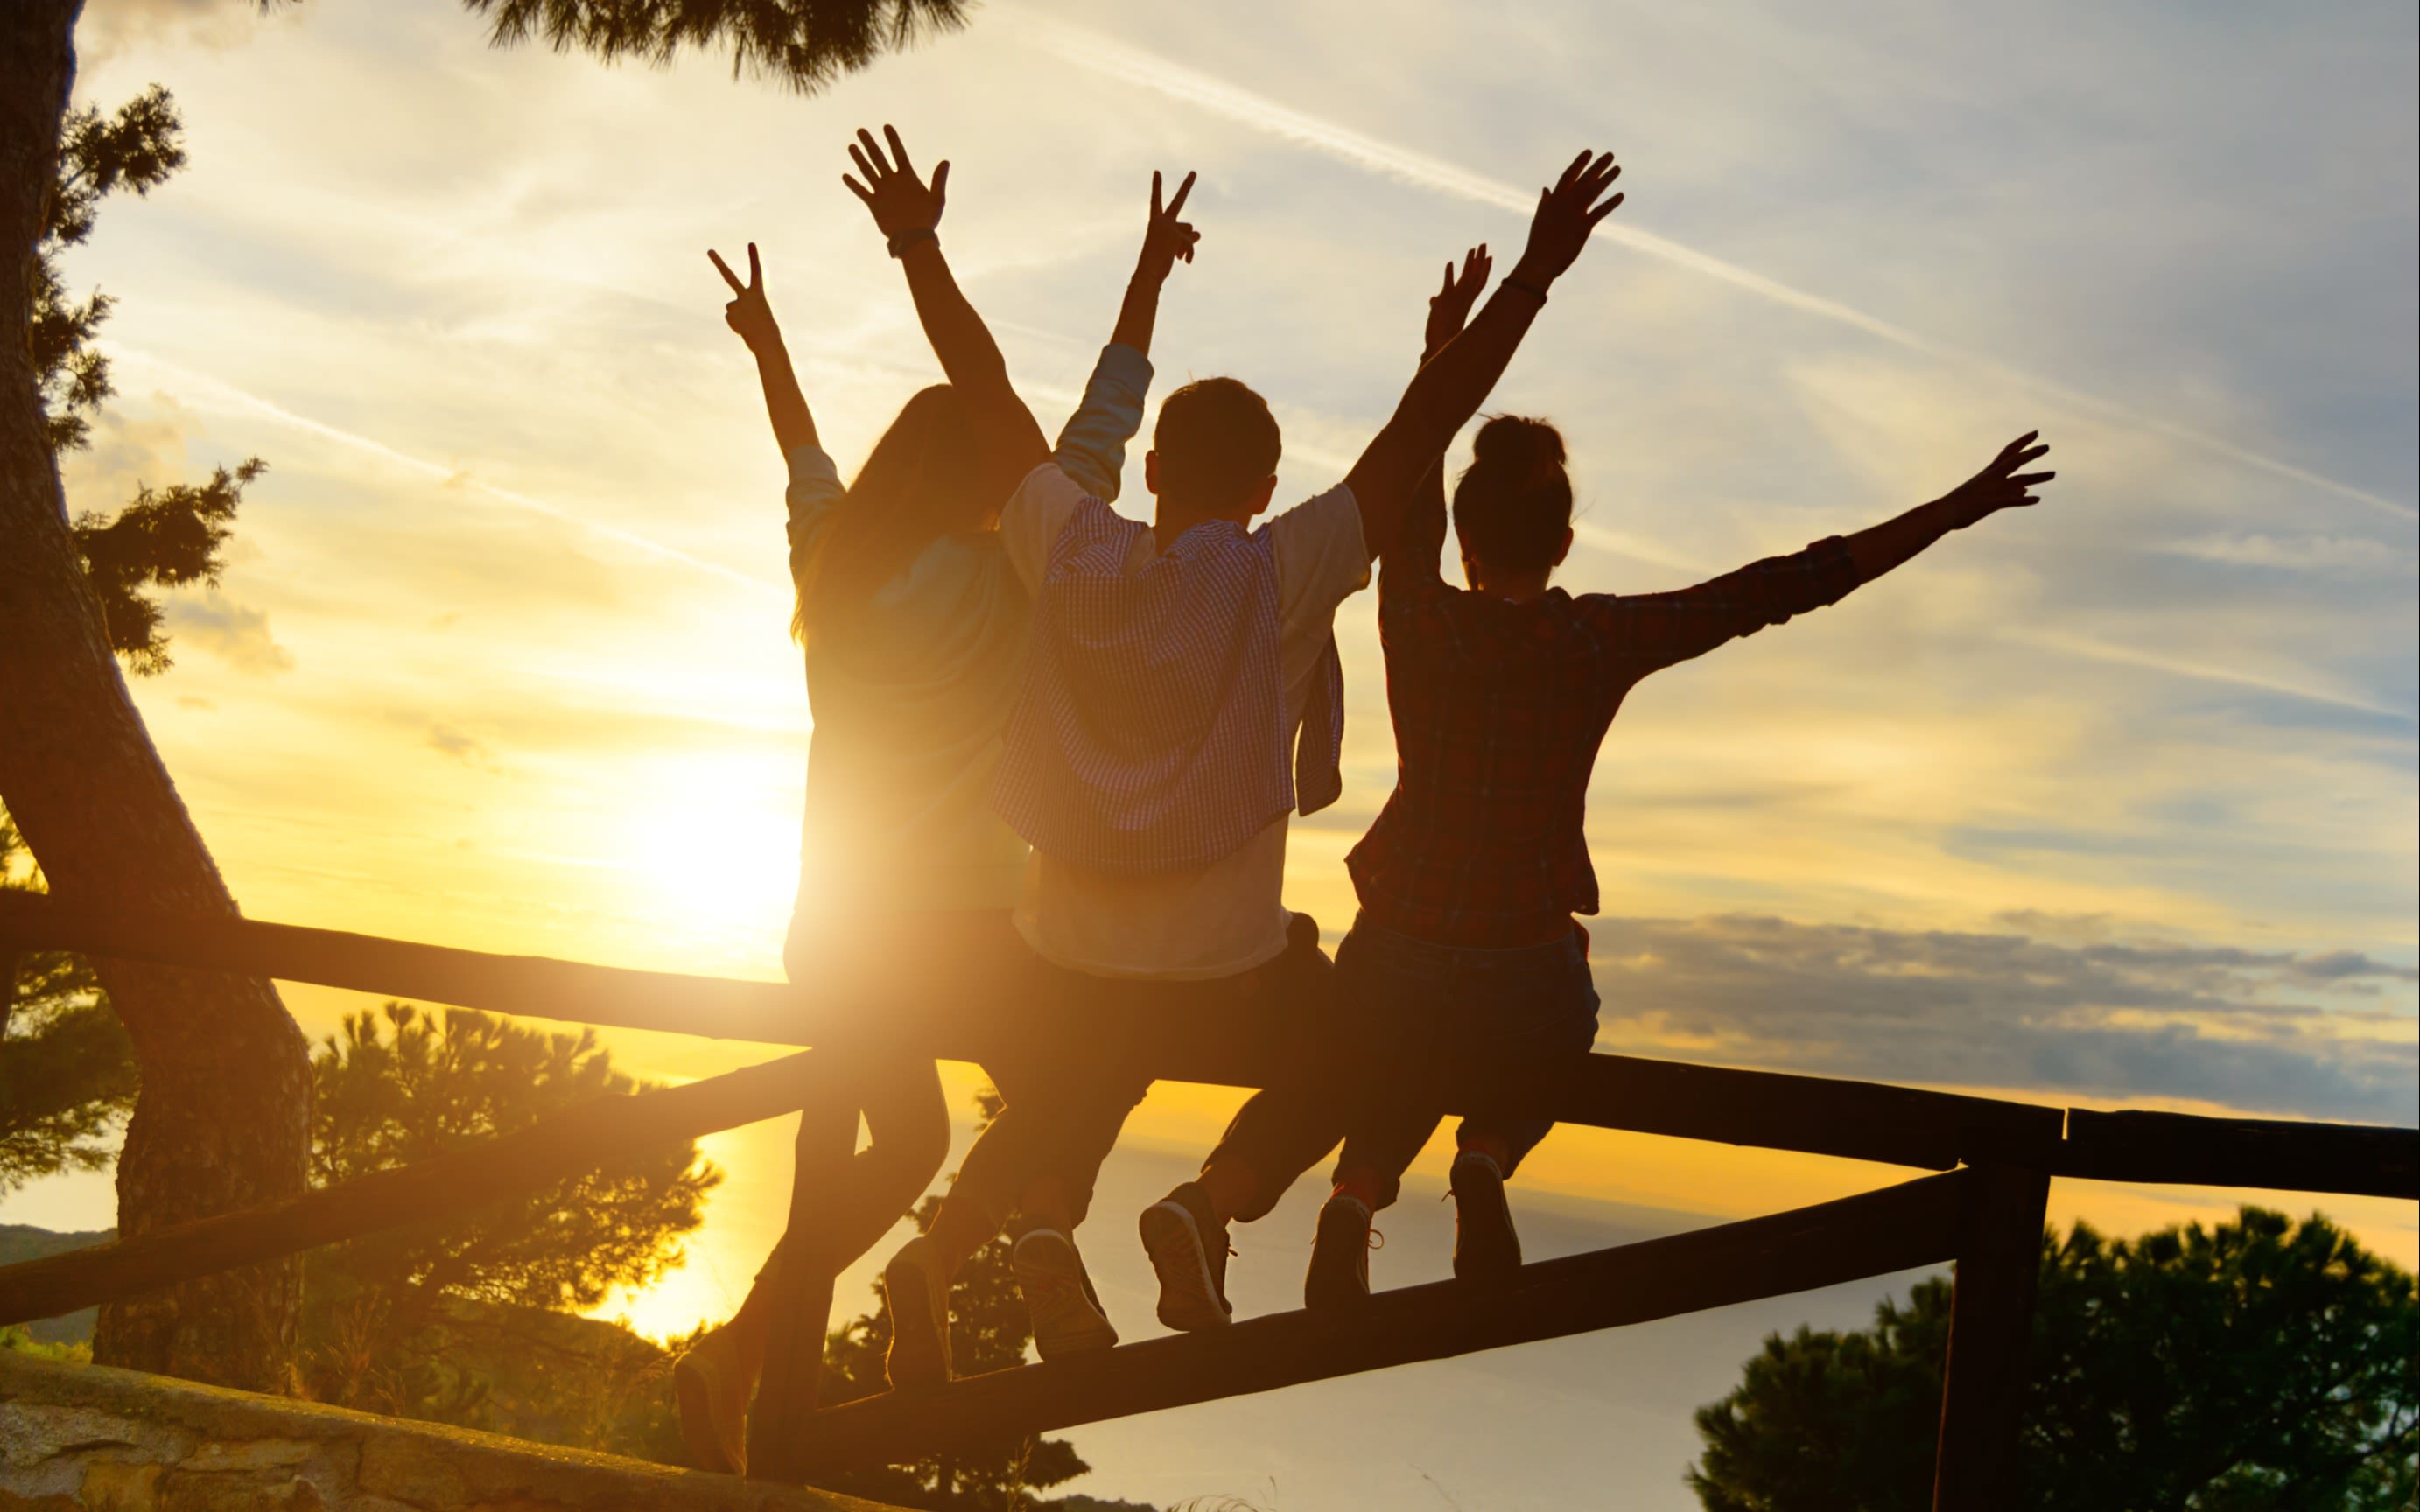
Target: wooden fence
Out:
[1985,1214]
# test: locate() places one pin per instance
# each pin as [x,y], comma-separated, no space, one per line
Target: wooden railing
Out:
[1985,1215]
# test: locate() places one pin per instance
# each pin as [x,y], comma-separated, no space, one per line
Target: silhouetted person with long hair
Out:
[915,634]
[1466,959]
[1049,1181]
[1183,699]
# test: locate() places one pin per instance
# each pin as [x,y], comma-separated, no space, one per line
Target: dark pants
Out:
[1502,1028]
[1084,1062]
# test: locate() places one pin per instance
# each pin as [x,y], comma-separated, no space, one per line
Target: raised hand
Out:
[1166,240]
[901,201]
[1449,306]
[1567,215]
[1999,485]
[748,314]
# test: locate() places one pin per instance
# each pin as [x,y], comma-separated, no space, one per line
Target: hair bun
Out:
[1519,440]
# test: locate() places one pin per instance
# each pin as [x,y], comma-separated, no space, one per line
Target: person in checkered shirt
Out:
[1465,954]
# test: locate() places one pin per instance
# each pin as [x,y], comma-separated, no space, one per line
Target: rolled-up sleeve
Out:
[1092,447]
[814,495]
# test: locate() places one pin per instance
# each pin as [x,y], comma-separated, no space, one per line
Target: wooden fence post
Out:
[779,1427]
[1991,1316]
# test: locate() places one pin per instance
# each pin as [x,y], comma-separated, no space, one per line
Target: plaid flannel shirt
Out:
[1498,711]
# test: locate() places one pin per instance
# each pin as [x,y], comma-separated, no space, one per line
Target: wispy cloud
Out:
[1113,59]
[2095,649]
[2324,1035]
[203,390]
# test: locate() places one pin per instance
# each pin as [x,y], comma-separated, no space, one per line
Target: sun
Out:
[715,846]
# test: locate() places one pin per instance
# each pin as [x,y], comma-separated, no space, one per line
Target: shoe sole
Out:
[1188,1298]
[1332,1283]
[1483,1215]
[1072,1325]
[916,1357]
[697,1420]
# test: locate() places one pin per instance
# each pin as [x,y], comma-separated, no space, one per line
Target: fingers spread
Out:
[898,148]
[1606,209]
[859,189]
[872,159]
[724,269]
[1182,190]
[2031,480]
[857,155]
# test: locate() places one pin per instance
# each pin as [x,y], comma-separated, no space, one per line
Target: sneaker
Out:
[1059,1296]
[919,1299]
[1189,1248]
[1485,1248]
[713,1395]
[1339,1257]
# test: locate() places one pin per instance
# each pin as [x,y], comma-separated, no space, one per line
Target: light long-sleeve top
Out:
[910,695]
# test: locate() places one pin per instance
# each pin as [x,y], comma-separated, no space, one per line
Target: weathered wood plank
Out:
[1984,1384]
[507,1166]
[1861,1120]
[1897,1228]
[2187,1150]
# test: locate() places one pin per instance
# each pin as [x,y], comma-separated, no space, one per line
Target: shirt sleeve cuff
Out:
[1836,570]
[811,466]
[1122,364]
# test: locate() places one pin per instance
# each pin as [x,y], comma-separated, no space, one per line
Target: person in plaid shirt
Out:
[1466,953]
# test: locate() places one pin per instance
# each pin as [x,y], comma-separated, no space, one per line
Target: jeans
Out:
[1070,1079]
[1505,1023]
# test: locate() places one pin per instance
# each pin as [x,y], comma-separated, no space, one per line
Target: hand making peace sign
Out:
[1167,239]
[748,313]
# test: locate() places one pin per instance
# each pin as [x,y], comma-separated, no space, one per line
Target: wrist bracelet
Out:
[1525,286]
[901,243]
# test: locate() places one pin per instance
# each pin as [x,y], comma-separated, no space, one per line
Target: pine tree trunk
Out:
[223,1121]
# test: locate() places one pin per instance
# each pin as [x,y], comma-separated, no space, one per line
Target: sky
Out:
[2114,802]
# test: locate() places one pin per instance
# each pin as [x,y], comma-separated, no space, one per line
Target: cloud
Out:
[1113,59]
[235,633]
[2269,1031]
[109,27]
[462,748]
[2348,556]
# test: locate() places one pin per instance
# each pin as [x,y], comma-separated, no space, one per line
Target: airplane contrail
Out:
[1090,50]
[235,398]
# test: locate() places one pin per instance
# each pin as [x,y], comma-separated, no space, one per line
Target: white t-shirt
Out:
[1229,916]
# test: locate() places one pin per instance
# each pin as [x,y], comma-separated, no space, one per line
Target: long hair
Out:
[920,485]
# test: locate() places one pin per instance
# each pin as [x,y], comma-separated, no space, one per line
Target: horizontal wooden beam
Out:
[593,1135]
[1817,1114]
[2186,1149]
[1897,1228]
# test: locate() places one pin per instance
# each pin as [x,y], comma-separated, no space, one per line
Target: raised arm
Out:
[1450,389]
[1421,542]
[1091,446]
[1165,242]
[1652,630]
[2000,485]
[751,315]
[908,212]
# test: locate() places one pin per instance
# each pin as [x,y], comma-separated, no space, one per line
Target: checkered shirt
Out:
[1498,710]
[1151,734]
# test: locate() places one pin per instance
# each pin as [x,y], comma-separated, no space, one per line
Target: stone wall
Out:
[86,1437]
